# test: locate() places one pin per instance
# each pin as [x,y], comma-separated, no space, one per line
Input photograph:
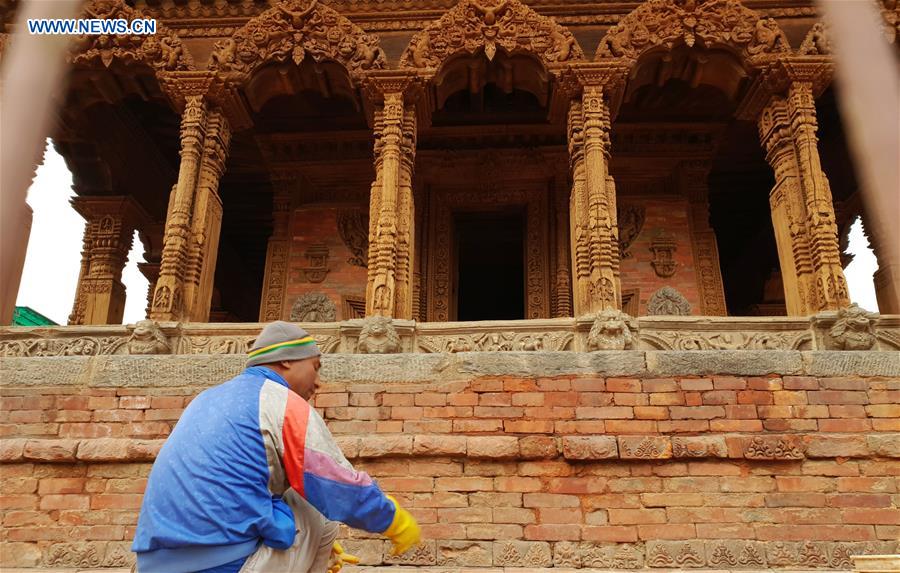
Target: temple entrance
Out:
[490,265]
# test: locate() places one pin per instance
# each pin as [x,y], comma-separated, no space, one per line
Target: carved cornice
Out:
[472,26]
[609,74]
[776,78]
[162,51]
[711,23]
[293,30]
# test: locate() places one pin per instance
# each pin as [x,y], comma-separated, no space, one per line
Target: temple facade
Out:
[320,162]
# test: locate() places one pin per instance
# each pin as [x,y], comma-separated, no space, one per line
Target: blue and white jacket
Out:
[214,491]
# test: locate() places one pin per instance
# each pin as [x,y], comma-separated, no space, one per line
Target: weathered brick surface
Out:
[514,471]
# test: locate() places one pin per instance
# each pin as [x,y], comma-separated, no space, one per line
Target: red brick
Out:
[667,531]
[795,500]
[604,412]
[621,399]
[517,484]
[464,484]
[741,412]
[720,397]
[683,426]
[517,515]
[609,533]
[667,399]
[554,384]
[860,500]
[883,516]
[814,411]
[830,468]
[636,516]
[172,402]
[696,412]
[580,427]
[390,484]
[493,531]
[576,485]
[61,485]
[867,484]
[494,399]
[729,383]
[713,469]
[883,411]
[659,385]
[567,515]
[50,450]
[466,426]
[333,400]
[800,383]
[735,425]
[623,385]
[443,531]
[884,397]
[651,412]
[404,399]
[843,383]
[765,384]
[755,397]
[415,426]
[845,425]
[766,532]
[528,399]
[696,384]
[589,385]
[550,413]
[116,501]
[725,531]
[528,426]
[487,385]
[134,402]
[406,412]
[554,532]
[804,484]
[545,468]
[465,515]
[519,385]
[498,412]
[837,397]
[886,425]
[549,500]
[53,501]
[500,447]
[149,429]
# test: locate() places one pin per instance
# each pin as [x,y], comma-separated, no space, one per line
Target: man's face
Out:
[303,376]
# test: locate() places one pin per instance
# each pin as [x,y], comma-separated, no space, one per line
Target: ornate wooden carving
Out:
[471,26]
[162,51]
[444,202]
[666,23]
[293,30]
[277,254]
[353,227]
[391,207]
[668,301]
[802,208]
[631,223]
[316,263]
[313,307]
[663,246]
[108,232]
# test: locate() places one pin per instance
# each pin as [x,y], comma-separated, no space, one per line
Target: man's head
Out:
[291,352]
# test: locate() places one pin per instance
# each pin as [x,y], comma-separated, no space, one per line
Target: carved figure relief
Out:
[631,222]
[613,330]
[317,263]
[162,51]
[853,330]
[490,24]
[353,227]
[378,336]
[668,302]
[147,338]
[663,247]
[292,30]
[313,307]
[712,22]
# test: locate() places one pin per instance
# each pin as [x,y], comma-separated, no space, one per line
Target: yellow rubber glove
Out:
[404,532]
[339,558]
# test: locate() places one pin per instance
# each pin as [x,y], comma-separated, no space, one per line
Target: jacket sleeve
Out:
[319,472]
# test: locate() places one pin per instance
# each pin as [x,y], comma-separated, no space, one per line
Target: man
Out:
[251,480]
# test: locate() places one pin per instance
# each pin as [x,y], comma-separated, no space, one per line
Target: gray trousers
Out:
[311,551]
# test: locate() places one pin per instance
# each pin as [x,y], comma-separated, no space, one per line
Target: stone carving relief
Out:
[317,263]
[668,302]
[497,342]
[81,346]
[293,30]
[147,338]
[313,307]
[613,330]
[816,42]
[711,22]
[853,330]
[490,24]
[378,336]
[728,340]
[162,51]
[772,448]
[215,344]
[74,555]
[663,247]
[353,227]
[631,222]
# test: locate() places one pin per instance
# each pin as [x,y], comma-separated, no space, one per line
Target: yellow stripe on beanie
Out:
[298,342]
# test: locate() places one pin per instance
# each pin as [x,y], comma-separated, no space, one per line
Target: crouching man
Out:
[251,480]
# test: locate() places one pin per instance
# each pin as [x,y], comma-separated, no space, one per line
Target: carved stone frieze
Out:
[711,23]
[292,30]
[854,329]
[162,51]
[378,336]
[313,307]
[773,448]
[473,25]
[668,302]
[612,330]
[77,346]
[353,227]
[497,342]
[148,338]
[727,340]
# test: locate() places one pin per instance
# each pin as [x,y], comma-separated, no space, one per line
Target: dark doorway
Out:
[490,265]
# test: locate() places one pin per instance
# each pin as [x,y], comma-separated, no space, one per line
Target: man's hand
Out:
[339,558]
[404,532]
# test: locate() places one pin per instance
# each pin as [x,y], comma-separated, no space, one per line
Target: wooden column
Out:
[193,221]
[108,233]
[887,277]
[389,291]
[271,305]
[695,185]
[594,231]
[802,209]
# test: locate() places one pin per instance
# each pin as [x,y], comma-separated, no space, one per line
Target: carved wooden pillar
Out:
[594,233]
[271,305]
[108,232]
[695,184]
[562,303]
[391,204]
[168,297]
[153,240]
[206,221]
[193,222]
[802,208]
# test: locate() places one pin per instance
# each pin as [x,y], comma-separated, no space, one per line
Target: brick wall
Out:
[618,472]
[314,225]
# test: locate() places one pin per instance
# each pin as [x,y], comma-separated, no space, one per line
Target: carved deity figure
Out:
[612,330]
[378,336]
[854,329]
[147,338]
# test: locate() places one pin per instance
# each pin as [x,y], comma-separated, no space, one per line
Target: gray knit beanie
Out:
[282,341]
